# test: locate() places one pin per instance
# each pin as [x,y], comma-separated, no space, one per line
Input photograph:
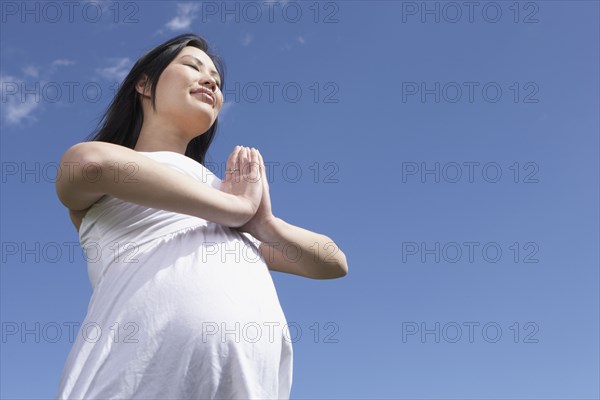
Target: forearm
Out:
[125,174]
[316,255]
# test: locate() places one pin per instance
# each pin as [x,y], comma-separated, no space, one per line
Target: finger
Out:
[260,159]
[232,162]
[243,158]
[261,163]
[264,170]
[246,170]
[261,167]
[255,166]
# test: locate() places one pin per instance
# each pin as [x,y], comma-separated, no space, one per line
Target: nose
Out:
[211,83]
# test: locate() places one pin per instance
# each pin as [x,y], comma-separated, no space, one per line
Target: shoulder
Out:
[86,152]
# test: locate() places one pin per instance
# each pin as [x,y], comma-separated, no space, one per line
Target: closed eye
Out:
[196,68]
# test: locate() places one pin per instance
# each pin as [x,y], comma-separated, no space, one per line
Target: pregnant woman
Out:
[183,304]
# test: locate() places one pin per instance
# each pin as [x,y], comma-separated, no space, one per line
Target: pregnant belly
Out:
[210,295]
[191,284]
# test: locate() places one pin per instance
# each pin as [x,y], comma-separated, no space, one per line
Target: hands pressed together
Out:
[246,178]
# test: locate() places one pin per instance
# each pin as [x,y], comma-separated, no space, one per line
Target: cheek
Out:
[170,85]
[162,89]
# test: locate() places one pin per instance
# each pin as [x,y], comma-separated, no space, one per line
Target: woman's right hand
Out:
[243,177]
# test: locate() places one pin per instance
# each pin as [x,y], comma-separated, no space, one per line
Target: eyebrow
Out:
[212,72]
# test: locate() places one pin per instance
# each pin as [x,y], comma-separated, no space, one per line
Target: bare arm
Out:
[90,170]
[312,255]
[298,251]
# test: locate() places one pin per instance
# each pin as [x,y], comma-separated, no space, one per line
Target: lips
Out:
[205,94]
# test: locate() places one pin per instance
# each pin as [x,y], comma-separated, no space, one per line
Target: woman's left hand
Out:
[264,215]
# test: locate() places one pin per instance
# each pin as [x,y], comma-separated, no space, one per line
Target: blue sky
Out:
[453,156]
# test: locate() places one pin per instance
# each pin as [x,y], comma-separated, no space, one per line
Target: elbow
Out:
[84,153]
[343,266]
[338,267]
[74,171]
[333,271]
[81,160]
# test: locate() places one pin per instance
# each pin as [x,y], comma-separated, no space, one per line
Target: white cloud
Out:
[22,96]
[17,106]
[5,83]
[117,71]
[103,6]
[16,112]
[26,95]
[30,70]
[287,46]
[247,39]
[59,63]
[62,62]
[281,2]
[186,12]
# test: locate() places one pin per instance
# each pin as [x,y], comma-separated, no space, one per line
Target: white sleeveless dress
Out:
[182,308]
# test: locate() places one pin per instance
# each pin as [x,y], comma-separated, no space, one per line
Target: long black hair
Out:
[122,121]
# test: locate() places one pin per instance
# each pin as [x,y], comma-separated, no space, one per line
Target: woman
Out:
[183,305]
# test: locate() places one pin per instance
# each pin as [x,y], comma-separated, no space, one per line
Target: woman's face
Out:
[176,102]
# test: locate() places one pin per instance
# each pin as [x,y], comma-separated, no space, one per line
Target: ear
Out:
[139,86]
